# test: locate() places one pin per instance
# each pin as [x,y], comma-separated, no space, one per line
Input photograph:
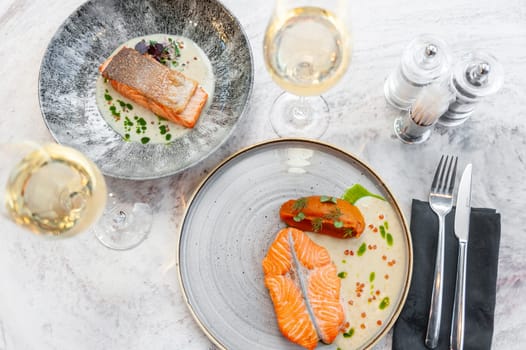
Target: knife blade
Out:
[462,214]
[463,209]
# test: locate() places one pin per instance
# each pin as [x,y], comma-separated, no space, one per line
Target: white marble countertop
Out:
[77,294]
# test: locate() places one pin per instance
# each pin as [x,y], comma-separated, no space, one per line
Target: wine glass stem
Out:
[300,112]
[120,220]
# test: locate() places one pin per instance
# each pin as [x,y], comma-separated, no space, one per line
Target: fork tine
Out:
[451,183]
[445,174]
[437,174]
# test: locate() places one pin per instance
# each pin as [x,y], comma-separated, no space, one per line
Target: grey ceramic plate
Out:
[70,68]
[234,216]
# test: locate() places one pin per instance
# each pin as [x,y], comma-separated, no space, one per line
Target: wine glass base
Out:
[124,226]
[298,116]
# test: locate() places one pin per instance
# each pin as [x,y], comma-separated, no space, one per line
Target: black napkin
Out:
[483,252]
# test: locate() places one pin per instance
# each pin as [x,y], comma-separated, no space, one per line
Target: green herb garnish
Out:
[349,232]
[299,204]
[362,249]
[338,224]
[334,214]
[317,224]
[384,303]
[342,274]
[299,217]
[325,199]
[349,333]
[371,277]
[145,140]
[389,239]
[382,231]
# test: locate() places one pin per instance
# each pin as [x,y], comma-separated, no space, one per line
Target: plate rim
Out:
[214,149]
[398,210]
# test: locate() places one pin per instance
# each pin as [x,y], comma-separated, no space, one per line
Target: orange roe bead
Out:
[381,216]
[377,292]
[351,253]
[350,302]
[379,322]
[346,252]
[384,257]
[375,229]
[362,326]
[364,315]
[371,226]
[386,276]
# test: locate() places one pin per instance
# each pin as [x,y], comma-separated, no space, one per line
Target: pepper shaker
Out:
[476,76]
[415,127]
[425,60]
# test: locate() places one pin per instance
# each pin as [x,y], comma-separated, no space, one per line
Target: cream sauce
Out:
[138,124]
[368,278]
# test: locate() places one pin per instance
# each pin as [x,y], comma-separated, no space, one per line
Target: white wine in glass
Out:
[307,51]
[55,190]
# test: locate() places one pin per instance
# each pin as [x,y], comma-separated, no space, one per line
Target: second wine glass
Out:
[56,191]
[306,50]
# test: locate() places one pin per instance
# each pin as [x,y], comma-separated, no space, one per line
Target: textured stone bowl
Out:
[70,69]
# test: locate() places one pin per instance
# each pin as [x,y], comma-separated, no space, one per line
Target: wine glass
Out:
[55,190]
[306,50]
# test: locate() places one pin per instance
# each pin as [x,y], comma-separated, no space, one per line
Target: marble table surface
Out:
[77,294]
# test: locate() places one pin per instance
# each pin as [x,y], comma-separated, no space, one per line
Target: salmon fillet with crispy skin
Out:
[167,93]
[304,288]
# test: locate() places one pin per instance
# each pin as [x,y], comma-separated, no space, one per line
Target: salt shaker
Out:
[476,76]
[425,60]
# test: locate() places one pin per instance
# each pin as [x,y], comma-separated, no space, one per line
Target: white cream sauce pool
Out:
[370,276]
[138,124]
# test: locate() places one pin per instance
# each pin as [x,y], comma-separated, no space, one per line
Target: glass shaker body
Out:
[424,61]
[477,75]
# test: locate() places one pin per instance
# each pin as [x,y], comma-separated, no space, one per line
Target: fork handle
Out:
[435,311]
[456,341]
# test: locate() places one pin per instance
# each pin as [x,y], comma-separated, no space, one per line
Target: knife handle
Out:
[435,311]
[456,341]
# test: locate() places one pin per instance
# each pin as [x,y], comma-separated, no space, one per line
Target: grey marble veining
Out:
[76,294]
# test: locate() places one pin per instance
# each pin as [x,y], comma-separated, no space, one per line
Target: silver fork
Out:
[441,201]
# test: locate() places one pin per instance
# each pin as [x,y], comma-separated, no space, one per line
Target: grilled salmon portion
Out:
[305,289]
[167,93]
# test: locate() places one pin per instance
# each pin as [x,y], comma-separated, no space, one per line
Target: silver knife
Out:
[462,214]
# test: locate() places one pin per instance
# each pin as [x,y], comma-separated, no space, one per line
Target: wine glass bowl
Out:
[55,190]
[306,51]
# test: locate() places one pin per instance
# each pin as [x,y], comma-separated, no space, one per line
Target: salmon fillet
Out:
[167,93]
[304,288]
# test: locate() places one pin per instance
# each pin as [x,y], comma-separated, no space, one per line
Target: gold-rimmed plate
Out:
[233,218]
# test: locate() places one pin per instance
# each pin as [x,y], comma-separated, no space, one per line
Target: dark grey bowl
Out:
[69,72]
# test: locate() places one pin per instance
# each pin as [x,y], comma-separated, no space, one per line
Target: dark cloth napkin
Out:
[483,252]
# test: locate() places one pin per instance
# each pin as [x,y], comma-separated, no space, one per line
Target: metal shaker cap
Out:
[477,74]
[426,59]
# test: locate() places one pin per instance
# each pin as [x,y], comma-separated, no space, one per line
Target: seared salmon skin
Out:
[305,289]
[166,92]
